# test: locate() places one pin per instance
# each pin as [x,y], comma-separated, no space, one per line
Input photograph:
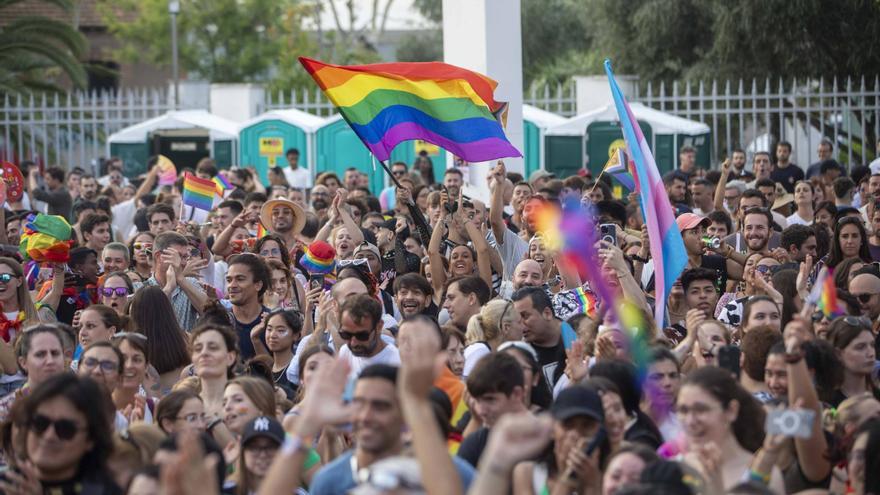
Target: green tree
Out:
[35,51]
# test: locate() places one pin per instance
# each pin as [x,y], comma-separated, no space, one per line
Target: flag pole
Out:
[597,180]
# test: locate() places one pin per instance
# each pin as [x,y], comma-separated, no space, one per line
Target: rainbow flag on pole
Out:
[222,184]
[198,193]
[617,167]
[445,105]
[667,248]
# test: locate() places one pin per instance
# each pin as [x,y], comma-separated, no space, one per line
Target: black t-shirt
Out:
[243,330]
[644,431]
[552,361]
[787,176]
[472,446]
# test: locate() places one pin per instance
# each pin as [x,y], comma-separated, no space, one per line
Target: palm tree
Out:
[32,46]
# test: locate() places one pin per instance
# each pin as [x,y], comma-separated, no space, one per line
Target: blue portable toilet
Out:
[265,139]
[535,123]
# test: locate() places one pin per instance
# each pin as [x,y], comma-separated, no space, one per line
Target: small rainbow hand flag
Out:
[824,295]
[198,193]
[261,231]
[618,167]
[223,185]
[167,171]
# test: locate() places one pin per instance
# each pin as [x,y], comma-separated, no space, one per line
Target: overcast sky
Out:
[401,16]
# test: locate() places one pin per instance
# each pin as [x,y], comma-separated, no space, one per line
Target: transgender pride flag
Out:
[667,248]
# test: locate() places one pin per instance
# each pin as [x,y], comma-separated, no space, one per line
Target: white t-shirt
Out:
[123,217]
[300,178]
[512,250]
[796,219]
[389,355]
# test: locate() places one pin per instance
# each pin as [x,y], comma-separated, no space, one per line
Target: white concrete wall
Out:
[236,102]
[594,91]
[485,36]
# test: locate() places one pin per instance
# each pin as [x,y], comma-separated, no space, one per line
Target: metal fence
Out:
[72,130]
[757,114]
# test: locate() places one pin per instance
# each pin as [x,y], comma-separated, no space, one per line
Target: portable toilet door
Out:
[264,144]
[339,148]
[531,147]
[604,137]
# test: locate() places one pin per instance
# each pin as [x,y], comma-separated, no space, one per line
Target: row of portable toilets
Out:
[560,145]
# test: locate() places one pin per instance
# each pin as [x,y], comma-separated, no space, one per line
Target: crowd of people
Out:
[314,336]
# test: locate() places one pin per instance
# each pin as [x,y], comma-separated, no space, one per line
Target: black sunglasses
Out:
[362,336]
[65,429]
[863,298]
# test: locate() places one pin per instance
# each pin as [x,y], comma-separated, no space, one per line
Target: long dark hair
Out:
[748,428]
[86,397]
[152,315]
[785,281]
[282,246]
[872,455]
[836,254]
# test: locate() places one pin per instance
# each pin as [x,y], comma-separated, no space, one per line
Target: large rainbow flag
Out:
[445,105]
[667,247]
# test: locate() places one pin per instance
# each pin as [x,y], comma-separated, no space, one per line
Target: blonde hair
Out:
[846,414]
[487,325]
[22,294]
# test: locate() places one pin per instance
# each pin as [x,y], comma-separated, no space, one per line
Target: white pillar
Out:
[485,36]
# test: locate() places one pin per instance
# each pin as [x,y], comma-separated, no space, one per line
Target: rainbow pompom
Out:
[319,258]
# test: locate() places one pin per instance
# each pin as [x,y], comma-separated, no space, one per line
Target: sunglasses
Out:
[354,262]
[398,172]
[143,245]
[65,429]
[864,298]
[6,277]
[362,336]
[119,291]
[857,321]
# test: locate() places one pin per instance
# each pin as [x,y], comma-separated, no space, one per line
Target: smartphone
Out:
[596,441]
[796,423]
[608,233]
[316,281]
[728,358]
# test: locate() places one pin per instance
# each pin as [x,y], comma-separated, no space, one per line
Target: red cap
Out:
[687,221]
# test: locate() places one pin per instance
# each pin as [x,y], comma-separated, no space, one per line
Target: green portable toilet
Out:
[339,148]
[184,136]
[265,139]
[587,139]
[535,123]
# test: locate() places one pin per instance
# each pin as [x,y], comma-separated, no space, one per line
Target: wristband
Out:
[794,357]
[638,258]
[292,444]
[214,422]
[760,478]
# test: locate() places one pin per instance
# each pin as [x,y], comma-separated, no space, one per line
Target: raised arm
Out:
[354,230]
[420,363]
[811,452]
[722,185]
[435,259]
[496,202]
[515,438]
[221,243]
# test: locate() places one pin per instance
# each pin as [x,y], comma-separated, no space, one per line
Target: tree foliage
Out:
[35,51]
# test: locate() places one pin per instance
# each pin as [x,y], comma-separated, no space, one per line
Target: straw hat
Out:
[299,215]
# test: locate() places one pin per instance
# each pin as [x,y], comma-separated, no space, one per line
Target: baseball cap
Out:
[390,224]
[540,174]
[577,401]
[263,426]
[687,221]
[366,246]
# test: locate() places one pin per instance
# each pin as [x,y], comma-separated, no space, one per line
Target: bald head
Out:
[527,274]
[347,288]
[866,288]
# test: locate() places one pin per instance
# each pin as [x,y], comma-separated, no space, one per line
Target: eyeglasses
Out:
[265,450]
[864,297]
[6,277]
[106,365]
[119,291]
[192,418]
[65,429]
[362,336]
[270,252]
